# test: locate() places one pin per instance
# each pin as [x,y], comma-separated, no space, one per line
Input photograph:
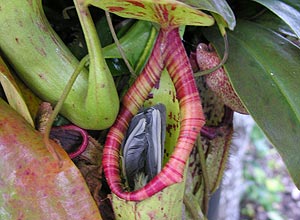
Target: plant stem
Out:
[204,174]
[189,201]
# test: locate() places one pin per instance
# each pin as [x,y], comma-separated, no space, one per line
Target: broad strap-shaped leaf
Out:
[13,92]
[164,12]
[287,10]
[273,22]
[219,7]
[264,69]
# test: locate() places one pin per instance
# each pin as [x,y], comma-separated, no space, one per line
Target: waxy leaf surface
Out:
[287,10]
[137,51]
[165,93]
[165,205]
[264,69]
[164,12]
[273,22]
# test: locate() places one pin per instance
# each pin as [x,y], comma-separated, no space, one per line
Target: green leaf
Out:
[164,12]
[287,10]
[248,9]
[138,50]
[219,7]
[264,69]
[273,22]
[13,93]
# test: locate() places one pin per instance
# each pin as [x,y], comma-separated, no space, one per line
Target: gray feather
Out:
[144,144]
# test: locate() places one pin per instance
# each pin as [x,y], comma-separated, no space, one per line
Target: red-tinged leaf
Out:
[13,93]
[33,184]
[164,12]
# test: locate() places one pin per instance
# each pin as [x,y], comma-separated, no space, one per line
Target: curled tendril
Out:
[222,62]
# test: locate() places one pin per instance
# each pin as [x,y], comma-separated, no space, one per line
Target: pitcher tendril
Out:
[117,42]
[219,65]
[58,106]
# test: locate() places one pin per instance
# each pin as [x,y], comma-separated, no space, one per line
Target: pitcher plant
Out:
[134,118]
